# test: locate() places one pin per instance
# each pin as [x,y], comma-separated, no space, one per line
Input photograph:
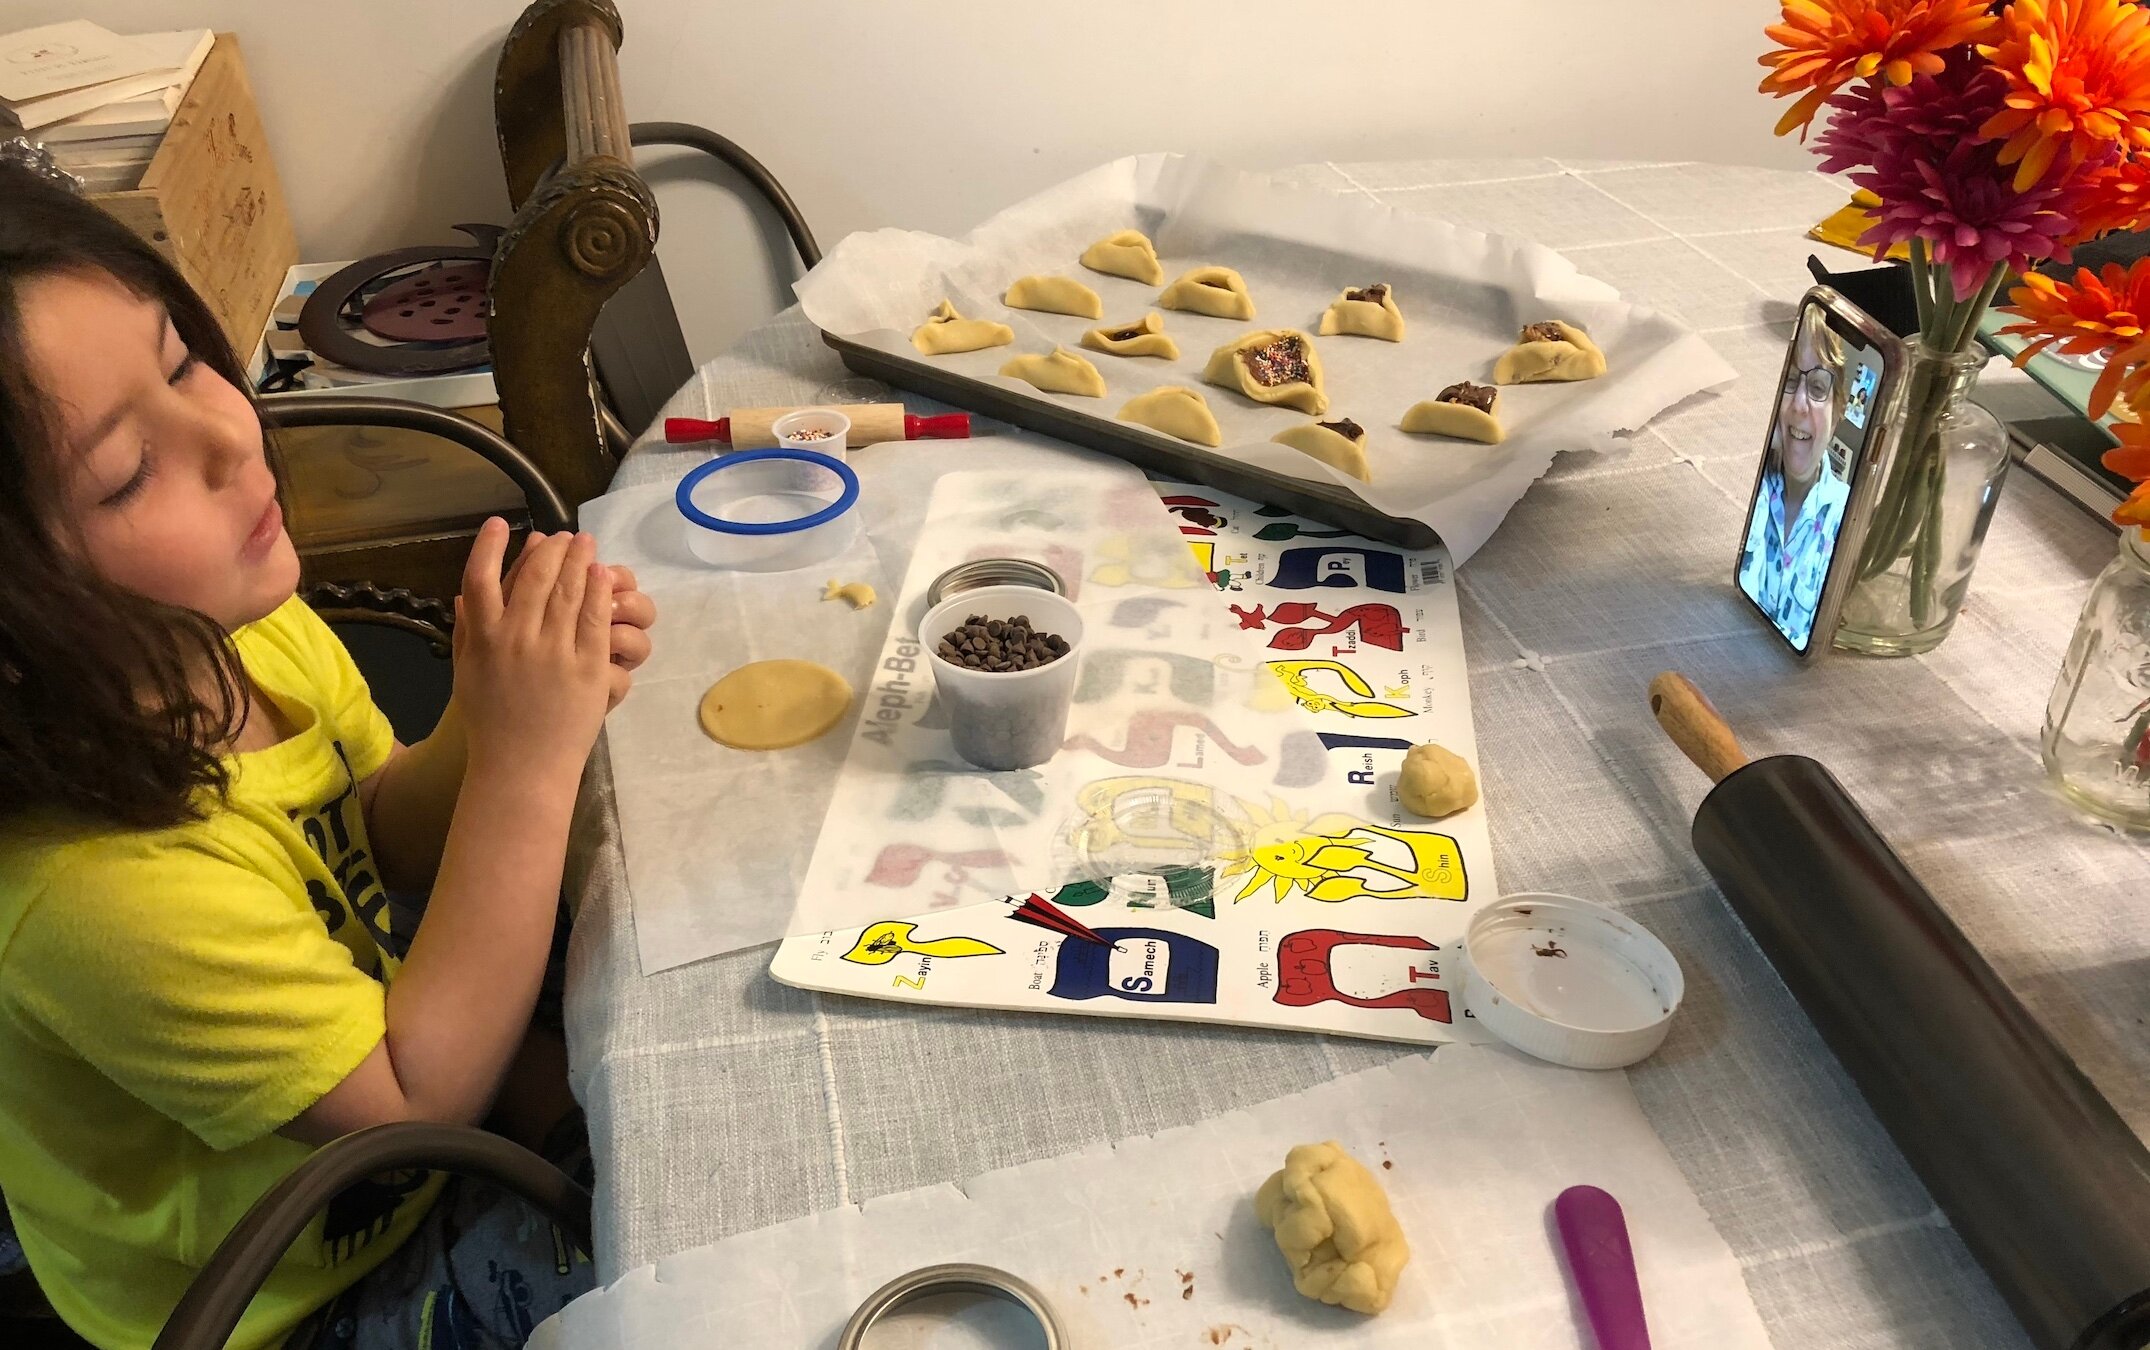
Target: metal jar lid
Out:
[945,1280]
[993,572]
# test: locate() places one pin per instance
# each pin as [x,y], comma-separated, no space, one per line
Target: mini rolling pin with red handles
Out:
[871,423]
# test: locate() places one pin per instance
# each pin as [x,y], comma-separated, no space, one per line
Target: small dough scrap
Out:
[1274,365]
[773,705]
[1218,292]
[1436,782]
[1549,350]
[856,594]
[945,332]
[1333,1223]
[1146,337]
[1126,253]
[1364,311]
[1176,411]
[1059,372]
[1467,411]
[1340,444]
[1054,295]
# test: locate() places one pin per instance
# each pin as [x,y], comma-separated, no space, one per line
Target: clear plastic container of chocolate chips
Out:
[1004,662]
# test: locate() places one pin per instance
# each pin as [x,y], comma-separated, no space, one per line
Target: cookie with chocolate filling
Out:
[1466,411]
[1146,337]
[1549,350]
[1218,292]
[1364,311]
[1274,365]
[1341,444]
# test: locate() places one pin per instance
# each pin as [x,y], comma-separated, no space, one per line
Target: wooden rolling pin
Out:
[871,424]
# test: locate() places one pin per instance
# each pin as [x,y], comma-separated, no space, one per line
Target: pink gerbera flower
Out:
[1964,204]
[1926,118]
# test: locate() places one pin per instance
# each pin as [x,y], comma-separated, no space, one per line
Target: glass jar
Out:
[2096,743]
[1937,496]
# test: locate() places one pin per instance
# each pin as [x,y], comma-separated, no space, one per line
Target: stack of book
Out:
[98,100]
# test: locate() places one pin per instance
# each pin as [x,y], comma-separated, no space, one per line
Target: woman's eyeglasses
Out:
[1819,383]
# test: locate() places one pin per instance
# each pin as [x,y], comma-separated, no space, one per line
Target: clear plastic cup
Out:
[822,430]
[1004,720]
[769,510]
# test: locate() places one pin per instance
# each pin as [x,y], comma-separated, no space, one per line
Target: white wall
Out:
[931,113]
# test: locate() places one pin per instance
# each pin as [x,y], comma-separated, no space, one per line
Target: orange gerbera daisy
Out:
[2079,81]
[1829,43]
[2131,459]
[2113,196]
[2111,310]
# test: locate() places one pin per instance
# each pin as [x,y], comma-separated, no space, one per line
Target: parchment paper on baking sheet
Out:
[1463,294]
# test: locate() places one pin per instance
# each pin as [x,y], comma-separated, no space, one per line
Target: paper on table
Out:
[716,839]
[1153,1242]
[1464,295]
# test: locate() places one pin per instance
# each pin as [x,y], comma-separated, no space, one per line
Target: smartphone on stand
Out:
[1829,441]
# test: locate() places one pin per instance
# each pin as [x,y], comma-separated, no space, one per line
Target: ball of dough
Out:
[1333,1223]
[772,705]
[1436,782]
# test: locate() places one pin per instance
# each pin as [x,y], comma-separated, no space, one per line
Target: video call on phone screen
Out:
[1816,434]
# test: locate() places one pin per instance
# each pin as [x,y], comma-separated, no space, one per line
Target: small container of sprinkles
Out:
[1004,662]
[822,430]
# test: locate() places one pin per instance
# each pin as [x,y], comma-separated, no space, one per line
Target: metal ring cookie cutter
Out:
[957,1278]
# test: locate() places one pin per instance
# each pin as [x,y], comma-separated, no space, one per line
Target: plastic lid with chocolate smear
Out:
[993,572]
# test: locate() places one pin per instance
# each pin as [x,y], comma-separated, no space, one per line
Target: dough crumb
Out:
[1435,782]
[1333,1224]
[856,594]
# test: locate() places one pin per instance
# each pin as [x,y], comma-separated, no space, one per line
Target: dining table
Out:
[720,1101]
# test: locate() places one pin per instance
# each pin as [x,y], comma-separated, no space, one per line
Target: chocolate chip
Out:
[1479,396]
[1345,427]
[1545,331]
[1124,334]
[1372,295]
[1001,645]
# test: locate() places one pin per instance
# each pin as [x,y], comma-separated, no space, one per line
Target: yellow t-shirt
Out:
[171,998]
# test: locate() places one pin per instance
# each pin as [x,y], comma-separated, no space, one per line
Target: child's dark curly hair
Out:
[112,707]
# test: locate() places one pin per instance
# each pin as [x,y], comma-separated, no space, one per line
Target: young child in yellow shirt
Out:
[202,813]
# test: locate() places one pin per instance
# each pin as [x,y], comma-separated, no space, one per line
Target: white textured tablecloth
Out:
[720,1101]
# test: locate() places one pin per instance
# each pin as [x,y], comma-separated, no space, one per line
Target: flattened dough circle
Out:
[773,705]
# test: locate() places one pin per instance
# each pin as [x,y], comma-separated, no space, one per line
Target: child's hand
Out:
[532,670]
[632,615]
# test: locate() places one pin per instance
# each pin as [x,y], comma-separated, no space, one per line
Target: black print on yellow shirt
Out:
[363,1212]
[334,830]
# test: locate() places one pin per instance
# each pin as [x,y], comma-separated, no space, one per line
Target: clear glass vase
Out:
[1937,496]
[2097,723]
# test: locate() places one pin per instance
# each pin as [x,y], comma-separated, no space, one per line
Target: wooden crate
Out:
[211,201]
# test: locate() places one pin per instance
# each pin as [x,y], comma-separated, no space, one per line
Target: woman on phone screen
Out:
[1801,503]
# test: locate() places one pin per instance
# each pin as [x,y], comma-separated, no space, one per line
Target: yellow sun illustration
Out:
[1279,849]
